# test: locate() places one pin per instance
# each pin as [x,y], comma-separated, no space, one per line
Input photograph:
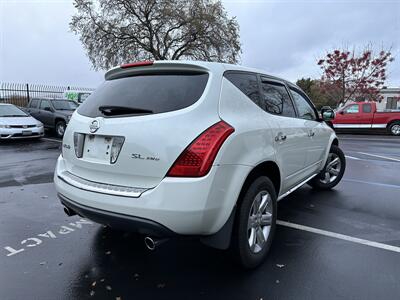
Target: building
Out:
[390,100]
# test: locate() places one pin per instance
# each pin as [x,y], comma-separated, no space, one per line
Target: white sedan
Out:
[16,124]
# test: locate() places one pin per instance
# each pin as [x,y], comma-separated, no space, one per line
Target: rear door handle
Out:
[280,137]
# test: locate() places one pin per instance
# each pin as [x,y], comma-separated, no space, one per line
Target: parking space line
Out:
[340,236]
[352,157]
[380,156]
[373,183]
[52,140]
[371,139]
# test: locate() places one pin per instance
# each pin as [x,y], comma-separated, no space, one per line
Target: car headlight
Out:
[4,126]
[40,125]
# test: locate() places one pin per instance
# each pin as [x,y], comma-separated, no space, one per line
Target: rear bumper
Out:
[185,206]
[116,220]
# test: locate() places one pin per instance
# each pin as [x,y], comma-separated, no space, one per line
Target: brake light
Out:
[137,64]
[196,160]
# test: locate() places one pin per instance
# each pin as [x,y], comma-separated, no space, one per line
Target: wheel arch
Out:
[391,123]
[222,238]
[335,142]
[267,168]
[58,119]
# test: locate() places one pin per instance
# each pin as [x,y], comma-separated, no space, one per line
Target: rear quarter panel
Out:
[251,143]
[386,117]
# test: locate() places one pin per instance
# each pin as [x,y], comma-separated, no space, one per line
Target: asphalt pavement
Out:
[341,244]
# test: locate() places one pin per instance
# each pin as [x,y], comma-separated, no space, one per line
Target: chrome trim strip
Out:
[359,126]
[103,188]
[379,125]
[296,187]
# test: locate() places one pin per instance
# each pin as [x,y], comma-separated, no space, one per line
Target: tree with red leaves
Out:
[354,76]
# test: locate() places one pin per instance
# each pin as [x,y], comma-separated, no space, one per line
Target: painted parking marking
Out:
[38,239]
[373,183]
[368,139]
[352,157]
[380,156]
[340,236]
[52,140]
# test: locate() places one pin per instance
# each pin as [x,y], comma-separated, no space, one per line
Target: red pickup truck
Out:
[364,115]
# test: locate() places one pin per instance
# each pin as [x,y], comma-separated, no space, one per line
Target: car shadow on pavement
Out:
[121,266]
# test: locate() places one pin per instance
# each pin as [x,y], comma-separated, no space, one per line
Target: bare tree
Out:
[117,31]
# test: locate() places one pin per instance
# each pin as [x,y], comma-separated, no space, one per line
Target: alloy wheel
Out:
[332,168]
[259,222]
[60,129]
[395,129]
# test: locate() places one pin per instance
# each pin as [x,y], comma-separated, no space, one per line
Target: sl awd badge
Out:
[139,156]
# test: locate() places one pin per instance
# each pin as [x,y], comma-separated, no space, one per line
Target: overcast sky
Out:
[285,38]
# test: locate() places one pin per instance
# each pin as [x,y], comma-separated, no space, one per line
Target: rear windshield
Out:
[153,93]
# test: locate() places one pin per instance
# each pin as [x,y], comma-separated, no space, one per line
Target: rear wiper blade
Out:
[111,110]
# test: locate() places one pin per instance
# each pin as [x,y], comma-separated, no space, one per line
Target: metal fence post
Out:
[27,93]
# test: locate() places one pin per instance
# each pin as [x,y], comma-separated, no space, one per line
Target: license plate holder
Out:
[26,132]
[97,148]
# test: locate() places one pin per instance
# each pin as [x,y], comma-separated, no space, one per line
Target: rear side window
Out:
[367,108]
[34,103]
[247,84]
[44,104]
[153,93]
[277,100]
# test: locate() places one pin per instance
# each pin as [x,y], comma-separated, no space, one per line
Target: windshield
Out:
[64,105]
[11,111]
[143,94]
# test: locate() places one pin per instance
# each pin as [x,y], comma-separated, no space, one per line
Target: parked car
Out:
[364,116]
[17,124]
[53,113]
[195,149]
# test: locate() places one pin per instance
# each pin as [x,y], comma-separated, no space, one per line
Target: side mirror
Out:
[341,112]
[48,109]
[327,113]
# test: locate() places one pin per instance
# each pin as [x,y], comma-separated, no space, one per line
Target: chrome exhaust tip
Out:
[69,212]
[152,243]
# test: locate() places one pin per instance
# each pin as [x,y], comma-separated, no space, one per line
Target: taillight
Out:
[79,141]
[137,64]
[116,146]
[196,160]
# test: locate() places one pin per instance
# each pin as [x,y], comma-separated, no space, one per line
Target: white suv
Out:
[201,149]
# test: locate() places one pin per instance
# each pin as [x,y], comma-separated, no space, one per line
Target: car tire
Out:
[60,128]
[394,128]
[333,170]
[250,240]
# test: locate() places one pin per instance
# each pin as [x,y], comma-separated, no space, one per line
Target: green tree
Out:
[315,90]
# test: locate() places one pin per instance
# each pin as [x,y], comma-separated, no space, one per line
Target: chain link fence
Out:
[20,93]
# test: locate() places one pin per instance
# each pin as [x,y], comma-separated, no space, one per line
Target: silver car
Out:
[17,124]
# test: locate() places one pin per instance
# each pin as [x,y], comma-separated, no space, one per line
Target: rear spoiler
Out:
[150,67]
